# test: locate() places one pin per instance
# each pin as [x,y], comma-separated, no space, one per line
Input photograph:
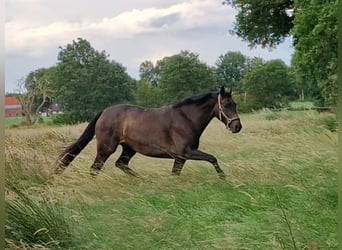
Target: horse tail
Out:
[70,152]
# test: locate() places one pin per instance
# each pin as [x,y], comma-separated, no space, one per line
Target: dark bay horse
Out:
[168,132]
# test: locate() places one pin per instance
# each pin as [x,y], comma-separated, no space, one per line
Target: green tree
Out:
[313,25]
[268,84]
[230,69]
[315,57]
[182,75]
[148,95]
[148,72]
[87,81]
[262,22]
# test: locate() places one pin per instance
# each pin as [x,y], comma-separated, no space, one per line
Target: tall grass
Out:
[37,222]
[35,217]
[281,191]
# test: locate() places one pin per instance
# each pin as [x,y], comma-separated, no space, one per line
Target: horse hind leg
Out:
[178,166]
[103,153]
[124,158]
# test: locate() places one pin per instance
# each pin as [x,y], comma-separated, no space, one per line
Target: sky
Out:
[130,31]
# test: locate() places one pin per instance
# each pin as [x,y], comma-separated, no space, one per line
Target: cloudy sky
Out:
[130,31]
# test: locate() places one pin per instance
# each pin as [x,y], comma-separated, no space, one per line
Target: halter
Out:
[221,113]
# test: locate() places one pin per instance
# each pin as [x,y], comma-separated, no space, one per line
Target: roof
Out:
[11,100]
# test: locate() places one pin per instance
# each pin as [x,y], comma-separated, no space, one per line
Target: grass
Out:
[15,122]
[9,122]
[301,105]
[281,191]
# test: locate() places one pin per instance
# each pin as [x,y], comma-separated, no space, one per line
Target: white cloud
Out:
[130,31]
[35,39]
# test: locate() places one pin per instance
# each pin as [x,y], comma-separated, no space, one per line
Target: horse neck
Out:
[201,114]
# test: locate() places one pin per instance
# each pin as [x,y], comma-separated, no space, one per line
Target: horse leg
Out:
[178,166]
[124,158]
[196,154]
[103,153]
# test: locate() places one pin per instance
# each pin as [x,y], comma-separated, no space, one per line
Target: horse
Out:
[171,132]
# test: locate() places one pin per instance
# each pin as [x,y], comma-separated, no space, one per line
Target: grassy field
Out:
[12,122]
[281,191]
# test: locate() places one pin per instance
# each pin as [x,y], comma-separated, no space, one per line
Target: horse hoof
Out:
[59,170]
[222,176]
[94,172]
[175,173]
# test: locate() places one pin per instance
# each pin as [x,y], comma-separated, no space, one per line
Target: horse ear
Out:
[222,91]
[229,91]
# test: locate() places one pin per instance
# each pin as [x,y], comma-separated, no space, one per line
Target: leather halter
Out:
[221,113]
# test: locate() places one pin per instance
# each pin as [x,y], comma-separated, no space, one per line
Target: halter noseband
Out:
[221,113]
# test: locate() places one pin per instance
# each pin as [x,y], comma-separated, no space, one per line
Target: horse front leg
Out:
[178,166]
[195,154]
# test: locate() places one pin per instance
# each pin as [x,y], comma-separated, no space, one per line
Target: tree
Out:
[148,95]
[34,92]
[313,25]
[262,22]
[173,78]
[315,57]
[230,69]
[148,72]
[87,81]
[268,84]
[183,75]
[36,78]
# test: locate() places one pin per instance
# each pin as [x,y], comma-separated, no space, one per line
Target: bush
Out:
[40,120]
[329,122]
[244,106]
[66,118]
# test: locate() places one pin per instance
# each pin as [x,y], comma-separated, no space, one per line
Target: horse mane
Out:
[197,100]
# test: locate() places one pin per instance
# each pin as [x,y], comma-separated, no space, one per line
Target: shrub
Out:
[40,120]
[329,122]
[66,118]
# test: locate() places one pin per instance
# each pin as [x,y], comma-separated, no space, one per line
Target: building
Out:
[13,107]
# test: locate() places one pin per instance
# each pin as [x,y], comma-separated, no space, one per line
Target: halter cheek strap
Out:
[221,113]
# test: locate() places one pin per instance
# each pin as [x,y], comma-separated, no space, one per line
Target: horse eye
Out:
[230,105]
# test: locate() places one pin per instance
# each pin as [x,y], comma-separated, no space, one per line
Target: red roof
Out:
[11,100]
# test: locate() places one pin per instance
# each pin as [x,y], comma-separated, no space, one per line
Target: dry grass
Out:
[289,154]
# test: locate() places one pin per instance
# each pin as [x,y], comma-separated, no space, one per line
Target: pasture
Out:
[280,192]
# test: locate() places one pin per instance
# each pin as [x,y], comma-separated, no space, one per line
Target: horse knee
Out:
[212,159]
[120,164]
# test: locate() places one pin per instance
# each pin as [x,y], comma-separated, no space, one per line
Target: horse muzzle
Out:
[234,125]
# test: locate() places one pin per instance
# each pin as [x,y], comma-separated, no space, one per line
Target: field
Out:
[16,122]
[280,193]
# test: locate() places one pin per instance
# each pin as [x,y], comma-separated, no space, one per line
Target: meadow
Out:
[280,192]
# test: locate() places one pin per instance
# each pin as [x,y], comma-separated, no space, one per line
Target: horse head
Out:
[227,110]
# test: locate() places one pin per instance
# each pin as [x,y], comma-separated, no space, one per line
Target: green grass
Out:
[281,190]
[301,105]
[19,121]
[13,121]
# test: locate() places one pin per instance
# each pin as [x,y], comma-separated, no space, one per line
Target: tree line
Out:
[84,80]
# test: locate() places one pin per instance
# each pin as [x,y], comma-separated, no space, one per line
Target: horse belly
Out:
[153,141]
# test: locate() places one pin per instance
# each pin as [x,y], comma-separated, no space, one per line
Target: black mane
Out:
[198,100]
